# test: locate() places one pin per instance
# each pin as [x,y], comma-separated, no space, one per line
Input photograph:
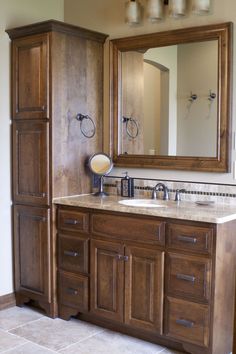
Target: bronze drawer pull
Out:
[71,222]
[120,257]
[72,291]
[185,323]
[190,278]
[187,239]
[71,253]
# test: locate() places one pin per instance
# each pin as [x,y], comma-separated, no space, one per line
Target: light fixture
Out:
[178,8]
[133,12]
[201,7]
[155,10]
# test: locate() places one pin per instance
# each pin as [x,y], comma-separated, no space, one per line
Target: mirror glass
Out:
[100,164]
[169,100]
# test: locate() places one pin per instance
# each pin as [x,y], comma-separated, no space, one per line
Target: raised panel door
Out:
[107,279]
[30,163]
[32,252]
[144,269]
[30,73]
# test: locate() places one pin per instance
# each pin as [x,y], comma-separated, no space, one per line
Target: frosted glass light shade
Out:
[155,10]
[178,8]
[201,7]
[132,12]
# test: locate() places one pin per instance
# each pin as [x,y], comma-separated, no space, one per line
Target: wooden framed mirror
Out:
[171,99]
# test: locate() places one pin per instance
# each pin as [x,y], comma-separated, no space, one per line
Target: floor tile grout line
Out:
[16,346]
[80,341]
[26,323]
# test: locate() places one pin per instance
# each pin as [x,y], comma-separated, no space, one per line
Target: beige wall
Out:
[13,13]
[108,16]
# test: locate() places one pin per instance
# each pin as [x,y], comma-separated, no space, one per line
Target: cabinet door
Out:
[144,288]
[107,279]
[31,248]
[30,67]
[30,162]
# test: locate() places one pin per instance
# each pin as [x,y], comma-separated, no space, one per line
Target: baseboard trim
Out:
[8,300]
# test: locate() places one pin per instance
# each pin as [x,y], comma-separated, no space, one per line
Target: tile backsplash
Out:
[193,191]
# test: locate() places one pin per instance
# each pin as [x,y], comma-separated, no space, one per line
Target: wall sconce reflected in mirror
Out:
[201,7]
[133,12]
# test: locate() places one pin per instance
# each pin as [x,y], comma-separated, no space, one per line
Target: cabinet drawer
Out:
[70,220]
[129,228]
[192,238]
[187,321]
[73,253]
[188,276]
[73,291]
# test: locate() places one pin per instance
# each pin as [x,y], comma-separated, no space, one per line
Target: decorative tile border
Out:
[193,190]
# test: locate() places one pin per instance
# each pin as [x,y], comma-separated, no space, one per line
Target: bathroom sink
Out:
[147,203]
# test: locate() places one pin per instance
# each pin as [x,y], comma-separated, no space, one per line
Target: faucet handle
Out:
[177,194]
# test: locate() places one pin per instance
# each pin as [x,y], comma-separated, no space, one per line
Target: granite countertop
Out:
[215,213]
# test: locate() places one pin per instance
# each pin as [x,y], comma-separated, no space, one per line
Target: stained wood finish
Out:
[190,238]
[220,32]
[30,162]
[73,291]
[30,77]
[7,301]
[188,277]
[107,280]
[144,276]
[126,281]
[70,220]
[57,72]
[187,321]
[77,79]
[55,26]
[73,253]
[130,228]
[32,250]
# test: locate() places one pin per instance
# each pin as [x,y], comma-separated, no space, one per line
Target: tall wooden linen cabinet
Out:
[57,73]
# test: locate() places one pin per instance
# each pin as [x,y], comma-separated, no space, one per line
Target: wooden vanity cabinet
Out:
[57,73]
[160,279]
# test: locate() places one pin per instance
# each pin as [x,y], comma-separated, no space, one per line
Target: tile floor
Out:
[25,331]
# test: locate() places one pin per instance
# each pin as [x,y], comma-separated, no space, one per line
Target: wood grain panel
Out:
[107,279]
[187,321]
[30,77]
[32,252]
[77,87]
[188,276]
[130,228]
[30,162]
[144,288]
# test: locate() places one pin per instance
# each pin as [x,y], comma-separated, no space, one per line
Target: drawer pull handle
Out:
[71,253]
[120,257]
[189,278]
[187,239]
[185,323]
[71,222]
[72,291]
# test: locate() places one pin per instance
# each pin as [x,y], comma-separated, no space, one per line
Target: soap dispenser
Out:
[127,186]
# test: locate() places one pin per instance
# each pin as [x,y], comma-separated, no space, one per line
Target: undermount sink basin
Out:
[147,203]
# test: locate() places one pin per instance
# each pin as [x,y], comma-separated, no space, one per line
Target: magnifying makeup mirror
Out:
[100,164]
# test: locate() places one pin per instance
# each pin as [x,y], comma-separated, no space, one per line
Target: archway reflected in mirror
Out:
[101,165]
